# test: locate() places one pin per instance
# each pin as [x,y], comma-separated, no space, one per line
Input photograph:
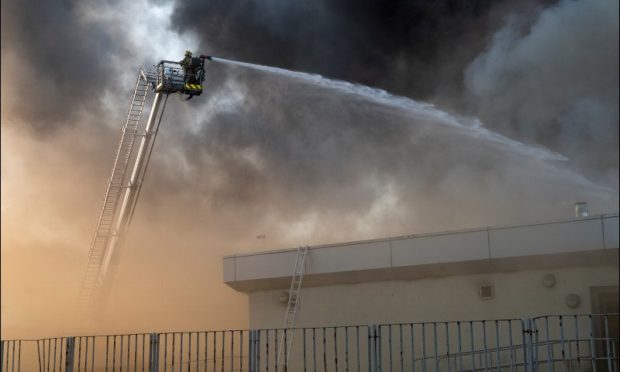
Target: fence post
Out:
[528,345]
[374,349]
[250,350]
[1,354]
[69,354]
[379,355]
[153,352]
[371,348]
[253,351]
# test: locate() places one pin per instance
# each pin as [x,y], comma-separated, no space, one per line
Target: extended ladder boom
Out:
[130,164]
[132,157]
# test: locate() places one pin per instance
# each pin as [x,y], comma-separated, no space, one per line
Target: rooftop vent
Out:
[581,209]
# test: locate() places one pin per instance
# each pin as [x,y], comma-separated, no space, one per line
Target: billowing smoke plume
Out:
[407,47]
[260,154]
[554,81]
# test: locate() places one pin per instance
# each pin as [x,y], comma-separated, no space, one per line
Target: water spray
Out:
[412,108]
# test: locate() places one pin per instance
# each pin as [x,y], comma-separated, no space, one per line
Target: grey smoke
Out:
[555,82]
[302,151]
[59,65]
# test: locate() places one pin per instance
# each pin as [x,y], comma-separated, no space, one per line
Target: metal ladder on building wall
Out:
[106,231]
[292,306]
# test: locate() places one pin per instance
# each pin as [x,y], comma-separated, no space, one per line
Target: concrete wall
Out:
[517,294]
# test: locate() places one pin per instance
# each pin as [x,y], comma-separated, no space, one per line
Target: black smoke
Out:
[407,47]
[438,50]
[55,64]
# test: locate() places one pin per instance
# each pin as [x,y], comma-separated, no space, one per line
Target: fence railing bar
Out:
[510,343]
[324,350]
[609,364]
[107,349]
[577,338]
[120,353]
[142,352]
[357,343]
[314,349]
[402,357]
[497,356]
[448,345]
[336,348]
[304,349]
[412,336]
[549,348]
[424,347]
[435,347]
[114,353]
[19,355]
[49,347]
[346,349]
[486,350]
[471,344]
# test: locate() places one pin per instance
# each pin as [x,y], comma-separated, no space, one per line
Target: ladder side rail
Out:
[129,200]
[299,278]
[114,189]
[108,197]
[293,304]
[112,195]
[298,288]
[288,309]
[297,303]
[119,170]
[292,288]
[291,293]
[142,173]
[120,161]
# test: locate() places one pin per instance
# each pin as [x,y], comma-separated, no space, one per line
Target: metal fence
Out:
[547,343]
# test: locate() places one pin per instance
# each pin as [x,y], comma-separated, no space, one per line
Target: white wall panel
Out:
[267,265]
[443,248]
[229,269]
[360,256]
[573,236]
[610,225]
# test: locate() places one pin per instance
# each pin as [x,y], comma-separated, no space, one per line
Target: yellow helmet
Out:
[188,53]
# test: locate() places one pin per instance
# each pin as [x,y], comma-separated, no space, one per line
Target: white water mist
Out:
[407,106]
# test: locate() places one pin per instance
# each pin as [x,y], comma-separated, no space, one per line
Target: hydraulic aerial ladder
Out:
[130,164]
[292,307]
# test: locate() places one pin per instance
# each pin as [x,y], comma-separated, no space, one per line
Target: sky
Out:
[263,154]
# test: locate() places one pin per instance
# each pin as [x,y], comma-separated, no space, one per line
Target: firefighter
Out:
[188,68]
[187,61]
[193,69]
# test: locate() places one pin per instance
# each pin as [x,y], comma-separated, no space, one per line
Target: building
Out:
[460,294]
[487,273]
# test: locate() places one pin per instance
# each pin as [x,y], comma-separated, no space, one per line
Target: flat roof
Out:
[591,240]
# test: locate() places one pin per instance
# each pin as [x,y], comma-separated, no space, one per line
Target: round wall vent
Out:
[548,280]
[573,300]
[283,297]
